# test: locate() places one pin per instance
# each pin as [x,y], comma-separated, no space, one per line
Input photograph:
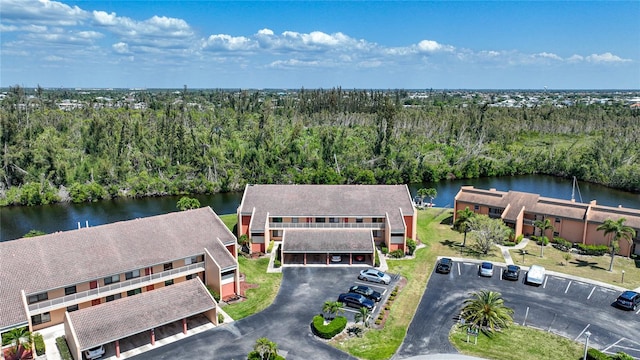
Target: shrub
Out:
[220,318]
[562,244]
[277,263]
[397,254]
[213,293]
[597,250]
[411,246]
[594,354]
[270,247]
[63,348]
[508,243]
[384,250]
[622,356]
[519,238]
[331,329]
[38,340]
[543,240]
[376,261]
[378,321]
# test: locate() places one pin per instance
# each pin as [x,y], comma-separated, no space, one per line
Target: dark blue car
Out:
[355,300]
[366,291]
[629,300]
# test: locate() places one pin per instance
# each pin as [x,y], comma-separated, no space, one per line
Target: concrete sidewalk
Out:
[505,250]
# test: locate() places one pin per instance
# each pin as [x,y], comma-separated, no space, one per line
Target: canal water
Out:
[18,220]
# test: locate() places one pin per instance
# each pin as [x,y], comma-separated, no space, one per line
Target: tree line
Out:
[206,141]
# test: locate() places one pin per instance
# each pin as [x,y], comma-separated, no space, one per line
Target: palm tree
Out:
[16,336]
[543,225]
[266,348]
[462,222]
[362,316]
[332,308]
[431,193]
[486,311]
[616,230]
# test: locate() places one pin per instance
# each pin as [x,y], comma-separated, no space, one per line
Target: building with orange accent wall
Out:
[52,278]
[318,223]
[572,221]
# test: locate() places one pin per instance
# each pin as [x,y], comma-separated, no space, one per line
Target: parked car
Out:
[535,275]
[444,266]
[359,258]
[94,353]
[629,300]
[512,272]
[486,269]
[336,258]
[366,292]
[375,276]
[355,300]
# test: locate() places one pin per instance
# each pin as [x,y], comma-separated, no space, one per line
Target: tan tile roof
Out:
[71,257]
[518,201]
[326,200]
[328,240]
[492,198]
[107,322]
[600,213]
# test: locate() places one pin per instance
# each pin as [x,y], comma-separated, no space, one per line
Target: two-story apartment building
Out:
[316,222]
[573,221]
[107,274]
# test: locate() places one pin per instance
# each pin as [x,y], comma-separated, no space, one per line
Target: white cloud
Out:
[121,48]
[605,58]
[89,34]
[53,58]
[575,58]
[546,55]
[42,12]
[229,43]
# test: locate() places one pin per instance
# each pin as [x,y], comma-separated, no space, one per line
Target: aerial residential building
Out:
[133,275]
[320,223]
[573,221]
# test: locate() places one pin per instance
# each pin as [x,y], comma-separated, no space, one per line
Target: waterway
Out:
[18,220]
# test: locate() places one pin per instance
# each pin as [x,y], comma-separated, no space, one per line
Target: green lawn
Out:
[517,343]
[590,267]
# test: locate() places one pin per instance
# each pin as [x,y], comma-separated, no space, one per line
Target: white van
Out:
[535,275]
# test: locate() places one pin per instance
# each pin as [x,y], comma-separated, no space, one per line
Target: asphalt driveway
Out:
[563,306]
[286,322]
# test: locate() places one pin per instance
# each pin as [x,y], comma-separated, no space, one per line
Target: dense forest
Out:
[60,145]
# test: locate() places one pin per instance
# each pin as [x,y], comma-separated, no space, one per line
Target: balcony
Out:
[314,225]
[112,289]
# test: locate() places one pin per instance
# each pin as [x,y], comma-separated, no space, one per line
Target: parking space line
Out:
[612,345]
[591,293]
[638,312]
[582,332]
[459,273]
[545,282]
[567,289]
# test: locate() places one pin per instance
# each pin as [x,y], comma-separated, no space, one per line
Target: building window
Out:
[555,233]
[134,292]
[277,219]
[191,276]
[70,290]
[320,220]
[276,233]
[168,266]
[72,308]
[113,297]
[132,274]
[376,233]
[476,207]
[41,318]
[168,282]
[191,260]
[359,220]
[557,220]
[112,279]
[294,220]
[38,297]
[333,220]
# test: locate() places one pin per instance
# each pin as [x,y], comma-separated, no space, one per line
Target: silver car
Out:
[486,269]
[375,276]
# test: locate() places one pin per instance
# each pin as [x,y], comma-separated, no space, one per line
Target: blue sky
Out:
[314,44]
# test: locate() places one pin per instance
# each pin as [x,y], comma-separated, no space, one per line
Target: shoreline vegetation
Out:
[129,143]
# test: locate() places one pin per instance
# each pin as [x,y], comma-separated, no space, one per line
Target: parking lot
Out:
[286,322]
[560,305]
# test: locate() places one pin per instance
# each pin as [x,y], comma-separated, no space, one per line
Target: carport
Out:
[112,321]
[317,246]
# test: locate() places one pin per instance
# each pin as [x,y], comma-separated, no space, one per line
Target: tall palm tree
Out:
[362,316]
[431,193]
[15,336]
[485,310]
[543,225]
[616,230]
[462,222]
[266,348]
[332,308]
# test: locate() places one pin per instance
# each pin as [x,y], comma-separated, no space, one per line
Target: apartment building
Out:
[318,223]
[573,221]
[110,274]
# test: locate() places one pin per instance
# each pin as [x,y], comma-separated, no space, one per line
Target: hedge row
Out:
[597,250]
[331,329]
[38,340]
[63,348]
[562,244]
[594,354]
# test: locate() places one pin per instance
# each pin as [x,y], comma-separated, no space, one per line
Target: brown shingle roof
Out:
[71,257]
[326,200]
[601,213]
[328,240]
[104,323]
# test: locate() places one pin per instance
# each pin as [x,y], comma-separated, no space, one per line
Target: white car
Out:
[375,276]
[94,353]
[336,258]
[486,269]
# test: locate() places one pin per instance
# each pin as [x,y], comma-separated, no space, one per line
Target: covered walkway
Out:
[327,246]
